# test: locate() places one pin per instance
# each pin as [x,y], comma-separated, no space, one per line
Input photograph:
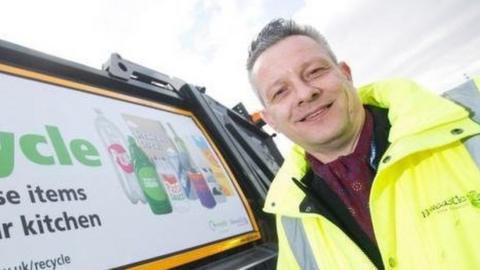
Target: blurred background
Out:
[205,42]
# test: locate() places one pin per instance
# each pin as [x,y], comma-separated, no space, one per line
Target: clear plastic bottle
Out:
[183,163]
[115,145]
[178,199]
[193,175]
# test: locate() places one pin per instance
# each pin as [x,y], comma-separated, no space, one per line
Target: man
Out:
[384,177]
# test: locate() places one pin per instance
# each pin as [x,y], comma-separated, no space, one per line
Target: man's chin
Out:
[321,138]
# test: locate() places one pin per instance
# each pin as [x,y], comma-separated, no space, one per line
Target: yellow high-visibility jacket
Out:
[425,197]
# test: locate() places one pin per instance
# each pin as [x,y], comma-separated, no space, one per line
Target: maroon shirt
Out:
[351,176]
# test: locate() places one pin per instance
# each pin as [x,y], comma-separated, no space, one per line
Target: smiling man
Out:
[383,177]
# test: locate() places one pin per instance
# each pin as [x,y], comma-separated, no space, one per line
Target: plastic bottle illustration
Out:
[214,165]
[149,180]
[115,144]
[194,175]
[183,164]
[174,189]
[202,189]
[213,185]
[203,166]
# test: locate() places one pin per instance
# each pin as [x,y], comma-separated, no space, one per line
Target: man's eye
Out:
[278,93]
[315,71]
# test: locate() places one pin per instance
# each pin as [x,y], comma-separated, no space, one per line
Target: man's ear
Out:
[345,70]
[268,118]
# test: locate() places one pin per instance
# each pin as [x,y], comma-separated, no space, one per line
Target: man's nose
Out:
[306,92]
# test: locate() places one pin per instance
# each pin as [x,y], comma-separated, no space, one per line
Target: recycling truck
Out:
[125,167]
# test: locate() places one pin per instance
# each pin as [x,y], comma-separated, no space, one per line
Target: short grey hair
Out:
[277,30]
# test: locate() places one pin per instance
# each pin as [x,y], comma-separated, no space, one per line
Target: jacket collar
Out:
[420,120]
[284,195]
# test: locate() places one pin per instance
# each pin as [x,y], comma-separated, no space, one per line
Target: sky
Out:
[205,42]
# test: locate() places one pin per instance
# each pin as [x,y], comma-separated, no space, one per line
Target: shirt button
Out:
[391,262]
[456,131]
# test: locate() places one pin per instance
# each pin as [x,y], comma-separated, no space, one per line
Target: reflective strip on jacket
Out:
[425,198]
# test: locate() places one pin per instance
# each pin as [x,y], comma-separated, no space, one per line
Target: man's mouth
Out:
[317,114]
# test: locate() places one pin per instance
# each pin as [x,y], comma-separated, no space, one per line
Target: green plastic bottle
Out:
[149,180]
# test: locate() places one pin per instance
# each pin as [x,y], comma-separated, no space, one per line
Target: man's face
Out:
[308,97]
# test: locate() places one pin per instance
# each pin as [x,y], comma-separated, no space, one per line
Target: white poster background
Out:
[129,232]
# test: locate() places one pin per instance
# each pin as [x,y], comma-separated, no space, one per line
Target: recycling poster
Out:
[92,182]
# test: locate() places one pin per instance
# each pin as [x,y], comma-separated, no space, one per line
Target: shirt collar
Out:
[361,151]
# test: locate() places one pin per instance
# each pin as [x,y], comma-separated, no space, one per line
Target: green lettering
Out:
[85,152]
[6,154]
[29,143]
[59,145]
